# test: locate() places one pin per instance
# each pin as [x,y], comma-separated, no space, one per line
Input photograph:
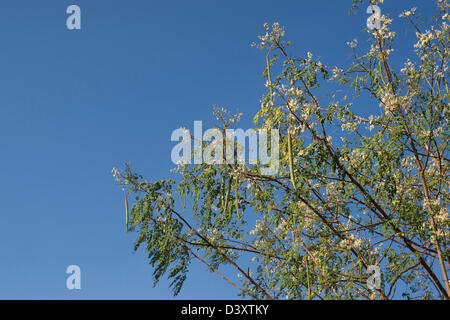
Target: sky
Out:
[76,103]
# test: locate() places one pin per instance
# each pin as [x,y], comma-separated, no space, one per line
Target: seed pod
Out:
[291,164]
[227,196]
[126,212]
[236,195]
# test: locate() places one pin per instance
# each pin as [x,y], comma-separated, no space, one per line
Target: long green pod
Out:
[126,212]
[222,191]
[236,194]
[308,280]
[290,160]
[269,77]
[227,196]
[182,195]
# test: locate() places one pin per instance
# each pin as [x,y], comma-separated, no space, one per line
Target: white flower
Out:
[409,66]
[423,39]
[408,13]
[292,104]
[389,101]
[353,43]
[349,126]
[442,217]
[336,73]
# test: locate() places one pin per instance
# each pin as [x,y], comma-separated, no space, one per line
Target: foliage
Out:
[351,191]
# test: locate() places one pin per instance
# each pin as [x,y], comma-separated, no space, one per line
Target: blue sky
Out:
[75,104]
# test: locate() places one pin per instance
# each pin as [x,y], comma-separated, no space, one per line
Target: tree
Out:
[352,194]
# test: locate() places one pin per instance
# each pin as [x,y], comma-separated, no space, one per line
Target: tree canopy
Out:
[351,193]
